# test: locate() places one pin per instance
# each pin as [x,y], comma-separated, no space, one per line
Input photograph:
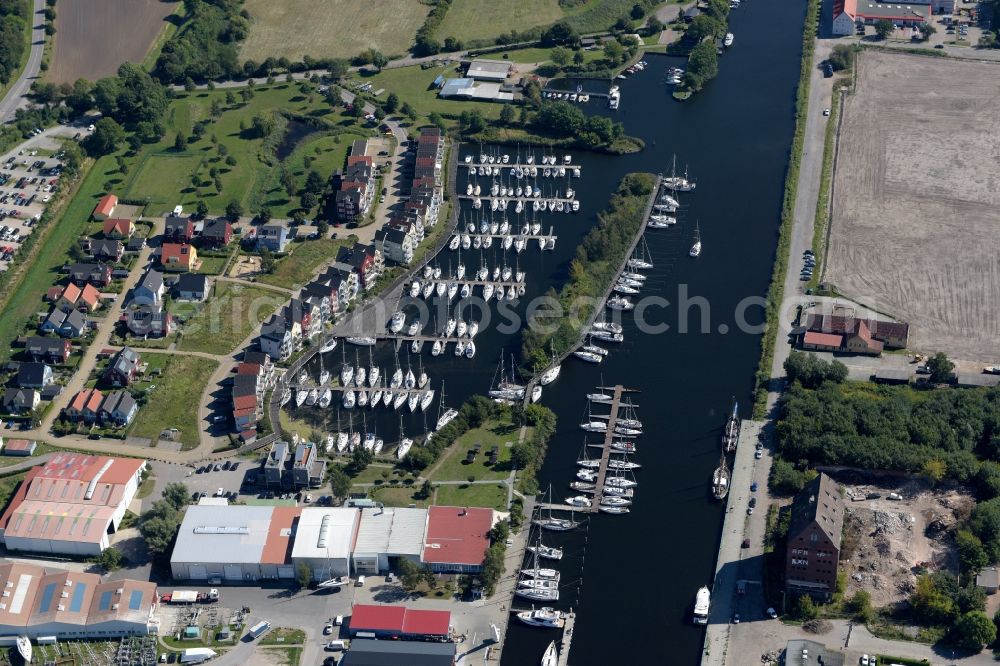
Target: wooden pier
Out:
[514,199]
[567,638]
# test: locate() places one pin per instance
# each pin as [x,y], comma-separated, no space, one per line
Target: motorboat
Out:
[399,318]
[702,603]
[612,509]
[728,40]
[545,617]
[536,393]
[614,500]
[661,221]
[579,500]
[541,573]
[546,552]
[328,345]
[607,336]
[586,475]
[617,302]
[362,341]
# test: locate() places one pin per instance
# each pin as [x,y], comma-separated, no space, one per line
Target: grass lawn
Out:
[166,177]
[453,466]
[8,485]
[172,403]
[486,495]
[401,496]
[413,85]
[43,271]
[485,19]
[213,265]
[325,153]
[373,473]
[299,266]
[227,318]
[334,28]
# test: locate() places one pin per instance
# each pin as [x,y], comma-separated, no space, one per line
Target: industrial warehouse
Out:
[247,543]
[71,505]
[71,605]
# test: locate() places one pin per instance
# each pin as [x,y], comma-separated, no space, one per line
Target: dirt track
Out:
[915,228]
[94,37]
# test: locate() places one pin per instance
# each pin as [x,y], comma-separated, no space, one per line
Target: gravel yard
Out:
[916,187]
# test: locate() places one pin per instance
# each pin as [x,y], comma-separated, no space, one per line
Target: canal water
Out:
[632,578]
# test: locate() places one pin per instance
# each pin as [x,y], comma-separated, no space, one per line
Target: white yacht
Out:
[696,248]
[550,375]
[702,603]
[620,303]
[399,318]
[426,398]
[543,617]
[728,41]
[404,447]
[536,393]
[348,400]
[588,356]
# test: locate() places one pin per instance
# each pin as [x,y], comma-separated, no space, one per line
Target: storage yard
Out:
[913,230]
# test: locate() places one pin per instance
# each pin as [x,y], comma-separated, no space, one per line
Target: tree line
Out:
[13,19]
[597,261]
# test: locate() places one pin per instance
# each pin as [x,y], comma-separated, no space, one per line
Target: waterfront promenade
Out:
[728,567]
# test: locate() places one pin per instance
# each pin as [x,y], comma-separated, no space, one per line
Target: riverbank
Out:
[776,289]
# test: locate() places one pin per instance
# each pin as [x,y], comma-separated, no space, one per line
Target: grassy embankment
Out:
[776,290]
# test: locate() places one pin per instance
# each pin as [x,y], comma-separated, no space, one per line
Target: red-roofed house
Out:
[457,538]
[105,208]
[814,341]
[178,257]
[371,621]
[84,299]
[84,406]
[118,228]
[19,447]
[849,13]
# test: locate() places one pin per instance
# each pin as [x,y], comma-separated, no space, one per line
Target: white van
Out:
[336,645]
[360,582]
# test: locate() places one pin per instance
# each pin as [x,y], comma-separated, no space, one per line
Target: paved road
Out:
[15,97]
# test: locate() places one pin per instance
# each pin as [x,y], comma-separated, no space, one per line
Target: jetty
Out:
[567,638]
[606,450]
[486,196]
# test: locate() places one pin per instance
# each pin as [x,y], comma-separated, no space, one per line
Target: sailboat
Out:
[325,398]
[640,259]
[720,480]
[24,648]
[678,183]
[324,374]
[300,396]
[731,433]
[346,371]
[329,345]
[556,524]
[373,370]
[405,443]
[551,656]
[286,395]
[331,583]
[506,389]
[446,417]
[696,248]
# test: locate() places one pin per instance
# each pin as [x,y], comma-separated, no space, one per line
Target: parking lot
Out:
[28,181]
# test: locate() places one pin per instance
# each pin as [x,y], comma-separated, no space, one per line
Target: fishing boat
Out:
[720,480]
[328,345]
[696,248]
[545,617]
[731,433]
[702,603]
[24,648]
[551,656]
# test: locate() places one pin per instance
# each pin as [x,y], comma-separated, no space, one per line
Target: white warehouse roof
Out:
[394,531]
[233,534]
[325,533]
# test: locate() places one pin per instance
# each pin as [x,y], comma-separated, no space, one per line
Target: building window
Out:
[814,537]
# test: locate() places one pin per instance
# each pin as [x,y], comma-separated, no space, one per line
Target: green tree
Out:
[931,604]
[560,56]
[180,143]
[303,575]
[262,125]
[507,114]
[805,608]
[883,28]
[934,470]
[842,57]
[472,121]
[158,533]
[201,209]
[426,489]
[975,630]
[409,111]
[106,137]
[578,57]
[391,103]
[267,260]
[176,495]
[811,371]
[719,10]
[379,60]
[614,51]
[340,483]
[110,559]
[309,200]
[703,65]
[436,119]
[522,455]
[234,210]
[702,27]
[971,554]
[492,569]
[941,368]
[861,605]
[410,574]
[360,459]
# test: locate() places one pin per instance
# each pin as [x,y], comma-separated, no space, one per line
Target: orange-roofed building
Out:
[179,257]
[118,228]
[84,406]
[105,208]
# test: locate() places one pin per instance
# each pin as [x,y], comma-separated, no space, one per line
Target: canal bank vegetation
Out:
[555,327]
[699,42]
[821,220]
[776,290]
